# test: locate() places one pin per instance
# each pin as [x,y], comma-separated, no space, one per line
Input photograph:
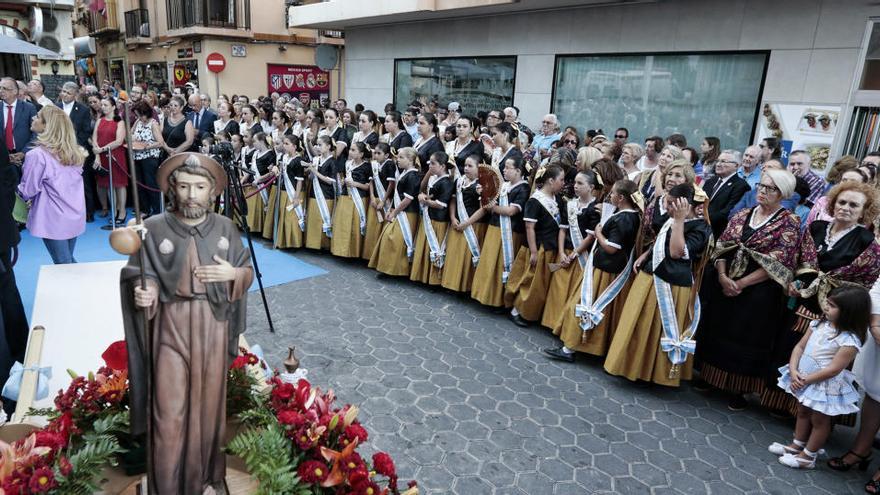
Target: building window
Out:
[697,95]
[477,83]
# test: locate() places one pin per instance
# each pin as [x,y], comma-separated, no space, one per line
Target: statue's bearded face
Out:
[193,195]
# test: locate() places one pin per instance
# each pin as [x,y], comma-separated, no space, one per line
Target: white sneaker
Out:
[797,462]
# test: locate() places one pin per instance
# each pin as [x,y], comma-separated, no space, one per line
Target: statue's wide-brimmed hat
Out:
[178,160]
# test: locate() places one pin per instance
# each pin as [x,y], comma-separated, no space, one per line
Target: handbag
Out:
[20,210]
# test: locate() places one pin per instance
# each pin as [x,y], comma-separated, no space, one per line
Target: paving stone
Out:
[465,402]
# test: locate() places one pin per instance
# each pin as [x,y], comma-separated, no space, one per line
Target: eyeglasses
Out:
[569,141]
[767,188]
[619,136]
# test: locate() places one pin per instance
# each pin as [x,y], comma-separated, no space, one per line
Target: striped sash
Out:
[469,234]
[291,196]
[326,220]
[575,230]
[402,221]
[380,189]
[591,312]
[506,226]
[356,199]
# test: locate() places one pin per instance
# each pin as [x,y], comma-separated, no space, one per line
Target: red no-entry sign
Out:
[216,62]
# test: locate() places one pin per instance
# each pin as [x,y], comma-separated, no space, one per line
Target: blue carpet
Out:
[278,267]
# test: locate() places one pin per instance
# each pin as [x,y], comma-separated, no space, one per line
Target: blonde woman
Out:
[52,183]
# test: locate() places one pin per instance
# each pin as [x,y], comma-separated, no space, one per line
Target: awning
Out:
[8,44]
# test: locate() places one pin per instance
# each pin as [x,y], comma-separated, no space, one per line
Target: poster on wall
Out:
[811,128]
[308,83]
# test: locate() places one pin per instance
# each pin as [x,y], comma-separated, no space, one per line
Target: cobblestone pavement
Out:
[466,403]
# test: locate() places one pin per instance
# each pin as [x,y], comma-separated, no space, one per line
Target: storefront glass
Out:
[477,83]
[697,95]
[154,75]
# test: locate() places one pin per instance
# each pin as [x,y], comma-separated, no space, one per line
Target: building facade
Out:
[801,70]
[166,43]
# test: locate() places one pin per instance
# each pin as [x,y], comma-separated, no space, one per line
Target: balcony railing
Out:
[137,24]
[103,22]
[227,14]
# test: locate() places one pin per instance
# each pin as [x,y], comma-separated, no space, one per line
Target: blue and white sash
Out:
[326,220]
[437,250]
[264,192]
[380,188]
[469,234]
[291,196]
[574,229]
[589,311]
[507,254]
[356,198]
[676,344]
[402,221]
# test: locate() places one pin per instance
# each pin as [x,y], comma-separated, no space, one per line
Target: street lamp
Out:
[55,68]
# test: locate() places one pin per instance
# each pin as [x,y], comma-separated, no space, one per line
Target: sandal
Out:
[838,464]
[873,485]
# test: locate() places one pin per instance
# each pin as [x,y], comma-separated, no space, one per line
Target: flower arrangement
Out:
[294,439]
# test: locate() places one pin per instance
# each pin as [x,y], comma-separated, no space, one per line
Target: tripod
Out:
[235,208]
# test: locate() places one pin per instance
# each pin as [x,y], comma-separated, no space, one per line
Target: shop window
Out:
[477,83]
[697,95]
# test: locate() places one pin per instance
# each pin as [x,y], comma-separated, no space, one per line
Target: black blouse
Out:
[516,196]
[174,134]
[341,135]
[472,148]
[620,231]
[362,175]
[680,271]
[408,185]
[428,148]
[471,199]
[326,168]
[295,172]
[512,152]
[441,190]
[845,250]
[386,173]
[402,140]
[264,161]
[587,219]
[231,127]
[546,226]
[371,140]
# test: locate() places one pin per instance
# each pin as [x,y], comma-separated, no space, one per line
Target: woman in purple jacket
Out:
[52,183]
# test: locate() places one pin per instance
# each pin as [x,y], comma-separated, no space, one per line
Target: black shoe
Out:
[519,321]
[90,217]
[701,386]
[737,403]
[559,354]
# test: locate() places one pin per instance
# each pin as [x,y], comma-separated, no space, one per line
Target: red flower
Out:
[116,356]
[313,472]
[384,465]
[252,358]
[368,488]
[353,431]
[352,463]
[358,477]
[42,480]
[282,392]
[51,439]
[65,466]
[238,363]
[292,418]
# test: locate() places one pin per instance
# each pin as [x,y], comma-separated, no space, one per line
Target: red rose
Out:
[282,392]
[116,356]
[313,472]
[353,431]
[42,480]
[384,465]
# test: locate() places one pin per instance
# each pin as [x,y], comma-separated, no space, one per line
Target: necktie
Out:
[10,137]
[197,121]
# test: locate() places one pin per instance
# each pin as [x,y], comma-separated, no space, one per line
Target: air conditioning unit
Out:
[56,33]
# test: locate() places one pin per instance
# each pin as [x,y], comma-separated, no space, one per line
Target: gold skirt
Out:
[374,230]
[347,240]
[487,287]
[289,234]
[458,272]
[562,282]
[389,255]
[268,228]
[315,238]
[422,269]
[635,348]
[255,209]
[527,286]
[596,340]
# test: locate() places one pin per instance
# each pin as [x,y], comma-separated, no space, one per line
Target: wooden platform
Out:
[239,483]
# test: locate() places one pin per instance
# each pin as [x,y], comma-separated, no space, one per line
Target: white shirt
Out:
[68,107]
[44,100]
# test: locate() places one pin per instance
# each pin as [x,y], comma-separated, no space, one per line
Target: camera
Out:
[223,151]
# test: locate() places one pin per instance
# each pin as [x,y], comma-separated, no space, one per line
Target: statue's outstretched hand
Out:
[145,298]
[223,271]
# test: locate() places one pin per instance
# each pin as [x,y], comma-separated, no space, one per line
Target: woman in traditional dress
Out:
[249,120]
[367,126]
[280,127]
[428,142]
[465,143]
[350,216]
[754,261]
[469,222]
[503,238]
[394,250]
[653,340]
[651,180]
[579,220]
[381,191]
[225,120]
[595,305]
[430,248]
[319,223]
[832,253]
[291,215]
[261,160]
[526,291]
[398,138]
[504,135]
[310,133]
[333,127]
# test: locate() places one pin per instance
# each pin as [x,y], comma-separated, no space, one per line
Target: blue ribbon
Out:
[12,388]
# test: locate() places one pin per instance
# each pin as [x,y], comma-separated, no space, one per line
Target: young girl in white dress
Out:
[817,374]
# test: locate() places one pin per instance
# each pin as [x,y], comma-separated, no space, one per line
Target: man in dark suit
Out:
[725,189]
[81,118]
[202,119]
[22,113]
